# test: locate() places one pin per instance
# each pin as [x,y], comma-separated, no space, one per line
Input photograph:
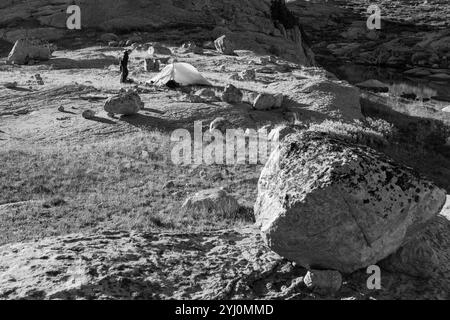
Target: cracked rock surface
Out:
[326,203]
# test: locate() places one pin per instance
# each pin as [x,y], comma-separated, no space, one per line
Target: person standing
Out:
[124,67]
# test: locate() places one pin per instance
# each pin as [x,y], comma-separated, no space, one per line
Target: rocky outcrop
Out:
[319,98]
[326,203]
[246,23]
[25,51]
[228,264]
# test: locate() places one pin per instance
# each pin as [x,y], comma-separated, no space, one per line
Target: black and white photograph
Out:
[233,158]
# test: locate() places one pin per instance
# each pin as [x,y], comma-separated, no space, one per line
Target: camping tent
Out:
[182,73]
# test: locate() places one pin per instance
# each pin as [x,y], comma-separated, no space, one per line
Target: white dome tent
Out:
[182,73]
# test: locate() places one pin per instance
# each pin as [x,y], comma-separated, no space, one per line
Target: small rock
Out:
[213,201]
[169,184]
[206,92]
[248,75]
[151,65]
[125,103]
[232,94]
[323,282]
[265,101]
[158,49]
[224,45]
[191,47]
[88,114]
[220,124]
[113,44]
[10,85]
[234,76]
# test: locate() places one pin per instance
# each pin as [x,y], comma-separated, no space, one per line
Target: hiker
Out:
[124,67]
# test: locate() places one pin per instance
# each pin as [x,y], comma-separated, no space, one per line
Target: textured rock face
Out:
[126,103]
[246,23]
[326,203]
[25,51]
[228,264]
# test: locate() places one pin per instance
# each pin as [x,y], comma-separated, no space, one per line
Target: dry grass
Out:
[115,184]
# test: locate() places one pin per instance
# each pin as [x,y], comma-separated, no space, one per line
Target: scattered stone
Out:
[39,80]
[206,92]
[232,94]
[327,203]
[265,101]
[220,124]
[224,45]
[373,85]
[10,85]
[88,114]
[25,50]
[169,184]
[248,75]
[235,77]
[446,109]
[408,96]
[125,103]
[61,109]
[151,65]
[323,282]
[158,49]
[191,47]
[213,201]
[267,60]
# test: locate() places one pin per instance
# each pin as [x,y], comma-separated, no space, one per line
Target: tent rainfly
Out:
[182,73]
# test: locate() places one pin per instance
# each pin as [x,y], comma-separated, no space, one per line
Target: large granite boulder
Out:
[125,103]
[327,203]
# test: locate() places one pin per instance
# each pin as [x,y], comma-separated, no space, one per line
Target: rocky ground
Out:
[94,208]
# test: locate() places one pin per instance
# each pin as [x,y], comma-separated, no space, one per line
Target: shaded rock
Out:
[25,51]
[191,47]
[224,45]
[88,114]
[169,184]
[326,203]
[158,49]
[232,95]
[323,281]
[10,85]
[373,85]
[206,92]
[220,124]
[247,75]
[216,202]
[427,255]
[108,37]
[125,103]
[151,65]
[264,101]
